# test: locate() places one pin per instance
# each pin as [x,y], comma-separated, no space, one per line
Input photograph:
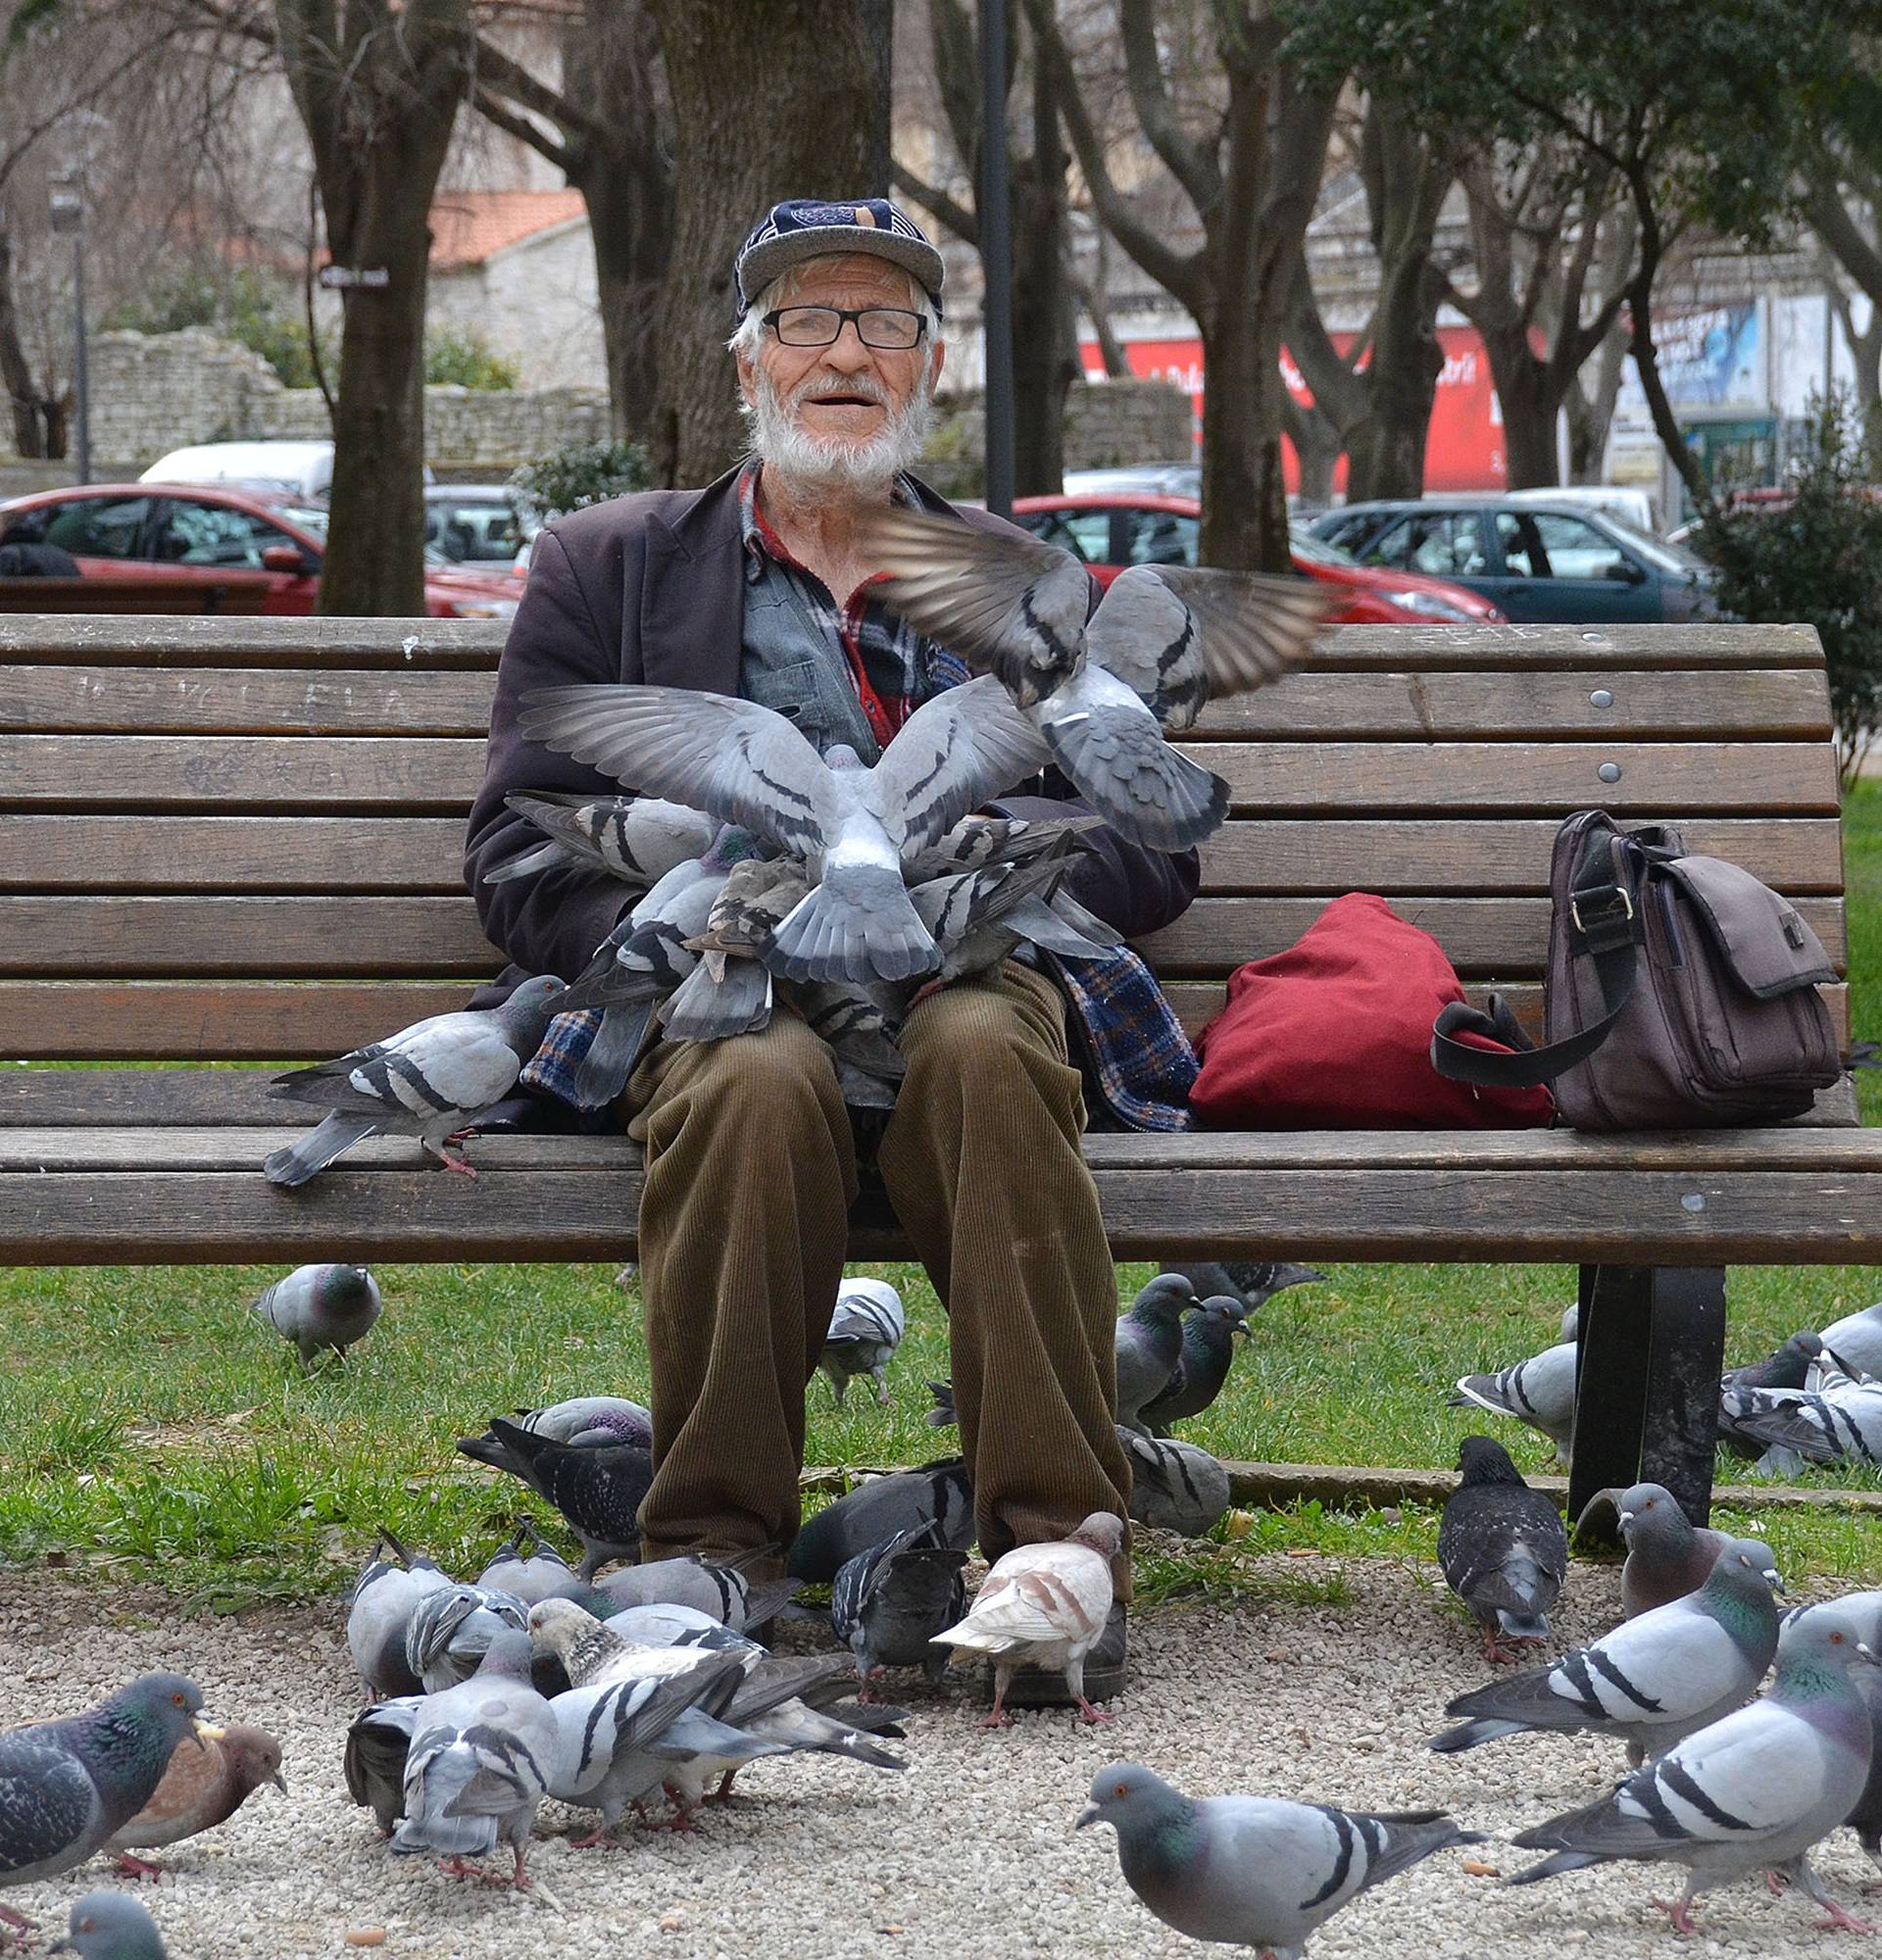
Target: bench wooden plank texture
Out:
[241,839]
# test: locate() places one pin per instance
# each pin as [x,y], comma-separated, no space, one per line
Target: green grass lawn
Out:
[151,1426]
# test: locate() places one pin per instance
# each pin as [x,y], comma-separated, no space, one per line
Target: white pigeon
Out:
[1162,640]
[866,1326]
[432,1080]
[1836,1420]
[1044,1606]
[1540,1391]
[853,825]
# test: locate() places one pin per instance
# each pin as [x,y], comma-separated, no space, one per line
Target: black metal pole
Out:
[80,372]
[996,256]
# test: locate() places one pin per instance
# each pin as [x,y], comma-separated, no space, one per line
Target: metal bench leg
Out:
[1652,1345]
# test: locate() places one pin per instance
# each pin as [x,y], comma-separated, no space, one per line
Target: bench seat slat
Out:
[259,700]
[225,773]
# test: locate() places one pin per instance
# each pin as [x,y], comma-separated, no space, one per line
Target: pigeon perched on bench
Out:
[432,1081]
[1502,1547]
[635,839]
[1101,690]
[322,1308]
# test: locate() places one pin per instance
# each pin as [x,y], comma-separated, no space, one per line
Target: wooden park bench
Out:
[240,841]
[131,595]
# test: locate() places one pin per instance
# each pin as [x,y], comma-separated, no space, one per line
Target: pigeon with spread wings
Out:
[1162,640]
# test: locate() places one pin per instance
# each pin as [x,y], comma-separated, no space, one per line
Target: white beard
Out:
[790,451]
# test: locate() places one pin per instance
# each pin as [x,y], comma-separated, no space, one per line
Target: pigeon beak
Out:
[1625,1518]
[205,1733]
[1092,1816]
[1242,1328]
[1774,1582]
[279,1781]
[1869,1653]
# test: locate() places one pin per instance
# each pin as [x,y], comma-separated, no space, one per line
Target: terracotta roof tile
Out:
[469,227]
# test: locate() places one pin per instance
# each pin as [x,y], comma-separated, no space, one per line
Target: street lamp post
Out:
[67,207]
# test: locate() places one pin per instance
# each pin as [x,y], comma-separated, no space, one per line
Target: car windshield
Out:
[1658,551]
[1317,551]
[310,518]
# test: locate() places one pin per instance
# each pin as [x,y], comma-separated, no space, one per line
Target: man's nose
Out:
[847,350]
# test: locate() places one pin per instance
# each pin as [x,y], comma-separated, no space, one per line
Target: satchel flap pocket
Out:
[1765,941]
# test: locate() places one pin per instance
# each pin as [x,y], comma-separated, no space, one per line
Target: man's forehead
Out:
[853,272]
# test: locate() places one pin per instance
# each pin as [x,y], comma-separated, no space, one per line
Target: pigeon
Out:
[889,1602]
[384,1597]
[730,990]
[1254,1871]
[110,1926]
[590,1419]
[877,1509]
[1209,1348]
[1787,1367]
[1653,1679]
[853,825]
[378,1745]
[636,839]
[977,918]
[1174,1485]
[1540,1391]
[1502,1547]
[1253,1282]
[858,1021]
[1865,1815]
[65,1786]
[597,1488]
[474,1774]
[1001,840]
[1836,1420]
[866,1326]
[1101,690]
[533,1574]
[1668,1555]
[201,1789]
[451,1630]
[1149,1342]
[432,1080]
[1857,1339]
[319,1307]
[1751,1793]
[718,1586]
[1044,1606]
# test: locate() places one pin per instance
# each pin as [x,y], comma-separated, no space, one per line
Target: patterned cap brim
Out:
[764,262]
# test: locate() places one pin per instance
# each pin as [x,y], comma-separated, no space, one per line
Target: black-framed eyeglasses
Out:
[888,327]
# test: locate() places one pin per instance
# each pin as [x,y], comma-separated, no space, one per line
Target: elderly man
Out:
[759,585]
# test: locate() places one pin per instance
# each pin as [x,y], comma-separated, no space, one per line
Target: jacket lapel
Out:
[692,594]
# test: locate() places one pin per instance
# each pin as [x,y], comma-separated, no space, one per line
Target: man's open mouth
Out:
[843,402]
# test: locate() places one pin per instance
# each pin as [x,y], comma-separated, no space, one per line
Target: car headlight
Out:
[1428,605]
[484,609]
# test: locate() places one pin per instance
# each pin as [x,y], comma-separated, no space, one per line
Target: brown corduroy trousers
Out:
[750,1170]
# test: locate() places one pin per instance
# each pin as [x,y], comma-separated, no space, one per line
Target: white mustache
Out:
[866,385]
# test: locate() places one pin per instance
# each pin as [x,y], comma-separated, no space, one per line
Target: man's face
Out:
[845,398]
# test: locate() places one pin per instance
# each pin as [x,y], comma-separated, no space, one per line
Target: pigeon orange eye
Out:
[1121,1790]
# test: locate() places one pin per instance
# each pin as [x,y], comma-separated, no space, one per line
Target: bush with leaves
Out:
[1816,556]
[577,474]
[459,357]
[243,304]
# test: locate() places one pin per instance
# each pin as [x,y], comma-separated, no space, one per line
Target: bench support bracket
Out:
[1652,1347]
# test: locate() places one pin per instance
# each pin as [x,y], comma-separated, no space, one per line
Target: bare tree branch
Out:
[1186,161]
[959,220]
[521,128]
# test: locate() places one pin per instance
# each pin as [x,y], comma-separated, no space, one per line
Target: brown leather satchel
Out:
[1681,993]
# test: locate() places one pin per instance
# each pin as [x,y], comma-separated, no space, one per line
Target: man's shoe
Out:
[1106,1674]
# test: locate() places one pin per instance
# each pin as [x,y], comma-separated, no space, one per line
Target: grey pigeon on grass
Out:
[65,1786]
[590,1419]
[1502,1547]
[879,1507]
[322,1308]
[1651,1680]
[1174,1485]
[597,1487]
[1202,1368]
[866,1326]
[1837,1420]
[1253,1282]
[1540,1391]
[852,825]
[889,1602]
[432,1081]
[385,1595]
[1754,1791]
[1669,1556]
[1254,1871]
[1857,1339]
[1787,1367]
[474,1774]
[110,1926]
[1148,1342]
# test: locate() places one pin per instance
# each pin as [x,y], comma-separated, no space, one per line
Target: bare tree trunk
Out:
[1045,346]
[16,374]
[630,217]
[810,66]
[1640,343]
[1318,449]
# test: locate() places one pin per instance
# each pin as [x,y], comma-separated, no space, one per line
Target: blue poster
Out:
[1711,356]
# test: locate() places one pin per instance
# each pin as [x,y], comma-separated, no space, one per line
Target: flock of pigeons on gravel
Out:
[768,875]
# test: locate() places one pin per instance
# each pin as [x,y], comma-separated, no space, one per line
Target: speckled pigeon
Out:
[1752,1791]
[854,825]
[1253,1282]
[866,1326]
[432,1080]
[385,1595]
[1202,1368]
[1042,1605]
[1668,1555]
[1174,1485]
[474,1775]
[110,1926]
[635,839]
[889,1602]
[1540,1391]
[1101,690]
[1148,1342]
[879,1507]
[1651,1680]
[1502,1547]
[67,1786]
[1254,1871]
[318,1308]
[597,1488]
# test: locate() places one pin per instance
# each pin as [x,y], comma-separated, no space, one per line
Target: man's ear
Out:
[934,365]
[747,376]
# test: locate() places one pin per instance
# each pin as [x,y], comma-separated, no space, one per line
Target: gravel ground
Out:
[970,1852]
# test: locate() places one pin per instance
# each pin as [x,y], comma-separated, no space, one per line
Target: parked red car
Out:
[223,534]
[1118,529]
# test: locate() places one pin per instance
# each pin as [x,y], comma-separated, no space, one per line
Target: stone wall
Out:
[1106,423]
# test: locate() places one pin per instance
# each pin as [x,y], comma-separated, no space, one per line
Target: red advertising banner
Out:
[1463,450]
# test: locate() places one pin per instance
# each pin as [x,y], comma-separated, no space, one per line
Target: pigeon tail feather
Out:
[294,1164]
[1151,792]
[858,926]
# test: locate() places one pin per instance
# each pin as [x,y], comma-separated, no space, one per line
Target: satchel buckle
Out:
[1605,914]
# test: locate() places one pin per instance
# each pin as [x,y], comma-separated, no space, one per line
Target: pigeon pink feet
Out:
[1093,1716]
[139,1868]
[1840,1920]
[15,1926]
[1681,1912]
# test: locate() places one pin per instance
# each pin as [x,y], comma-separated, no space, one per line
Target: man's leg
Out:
[743,1226]
[983,1167]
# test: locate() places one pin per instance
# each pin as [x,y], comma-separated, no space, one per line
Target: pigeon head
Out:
[1746,1562]
[110,1926]
[1229,1315]
[1102,1531]
[253,1757]
[1652,1510]
[557,1624]
[509,1652]
[342,1287]
[141,1725]
[1135,1802]
[1166,1299]
[1482,1459]
[532,1000]
[840,755]
[1822,1641]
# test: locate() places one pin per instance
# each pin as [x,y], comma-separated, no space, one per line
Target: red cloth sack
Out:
[1335,1034]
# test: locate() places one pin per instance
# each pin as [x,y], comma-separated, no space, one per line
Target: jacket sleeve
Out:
[552,920]
[1130,887]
